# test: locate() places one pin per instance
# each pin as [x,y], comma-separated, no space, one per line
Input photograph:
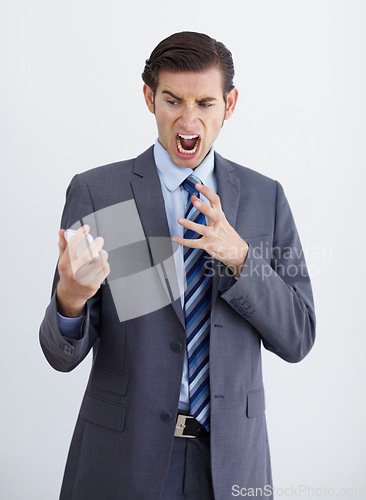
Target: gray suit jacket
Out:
[124,433]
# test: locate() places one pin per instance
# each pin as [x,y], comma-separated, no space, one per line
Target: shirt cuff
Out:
[70,327]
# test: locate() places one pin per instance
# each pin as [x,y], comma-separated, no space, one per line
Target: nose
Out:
[188,118]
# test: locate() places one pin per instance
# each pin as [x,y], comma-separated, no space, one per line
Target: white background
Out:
[71,99]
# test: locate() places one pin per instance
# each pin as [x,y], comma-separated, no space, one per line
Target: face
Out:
[189,110]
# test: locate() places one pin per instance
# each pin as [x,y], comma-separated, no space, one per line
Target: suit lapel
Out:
[150,205]
[228,188]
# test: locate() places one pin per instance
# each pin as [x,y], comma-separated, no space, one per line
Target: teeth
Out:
[185,151]
[188,136]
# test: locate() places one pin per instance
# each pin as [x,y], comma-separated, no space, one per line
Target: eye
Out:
[205,104]
[172,103]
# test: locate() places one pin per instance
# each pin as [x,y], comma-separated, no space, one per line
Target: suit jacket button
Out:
[176,346]
[166,416]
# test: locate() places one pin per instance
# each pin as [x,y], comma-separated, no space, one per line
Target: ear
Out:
[231,100]
[149,98]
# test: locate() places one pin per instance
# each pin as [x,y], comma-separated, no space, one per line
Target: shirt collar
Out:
[172,176]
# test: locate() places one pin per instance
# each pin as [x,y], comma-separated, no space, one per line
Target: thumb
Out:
[62,242]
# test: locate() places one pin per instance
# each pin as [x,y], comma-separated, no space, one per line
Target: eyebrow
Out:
[203,99]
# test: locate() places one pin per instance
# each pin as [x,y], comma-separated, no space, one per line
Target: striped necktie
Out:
[197,311]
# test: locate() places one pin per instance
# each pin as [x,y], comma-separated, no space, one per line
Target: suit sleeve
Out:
[277,298]
[64,354]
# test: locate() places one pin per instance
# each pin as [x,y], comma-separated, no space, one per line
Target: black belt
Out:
[188,427]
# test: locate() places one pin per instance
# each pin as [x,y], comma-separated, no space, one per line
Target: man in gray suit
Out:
[204,265]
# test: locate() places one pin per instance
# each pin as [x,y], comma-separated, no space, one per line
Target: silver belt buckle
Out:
[181,425]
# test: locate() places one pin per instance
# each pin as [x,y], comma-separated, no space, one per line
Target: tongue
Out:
[187,144]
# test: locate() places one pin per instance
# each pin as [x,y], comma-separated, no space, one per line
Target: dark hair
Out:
[189,51]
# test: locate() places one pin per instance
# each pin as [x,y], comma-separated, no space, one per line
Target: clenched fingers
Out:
[94,272]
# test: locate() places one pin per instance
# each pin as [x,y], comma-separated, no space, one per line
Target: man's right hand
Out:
[80,277]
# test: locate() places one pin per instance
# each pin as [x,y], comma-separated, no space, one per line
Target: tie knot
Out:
[189,184]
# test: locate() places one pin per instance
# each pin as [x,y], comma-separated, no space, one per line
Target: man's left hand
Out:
[219,239]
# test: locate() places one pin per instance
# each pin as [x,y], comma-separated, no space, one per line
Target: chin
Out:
[187,163]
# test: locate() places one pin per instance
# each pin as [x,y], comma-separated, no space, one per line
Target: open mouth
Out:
[187,144]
